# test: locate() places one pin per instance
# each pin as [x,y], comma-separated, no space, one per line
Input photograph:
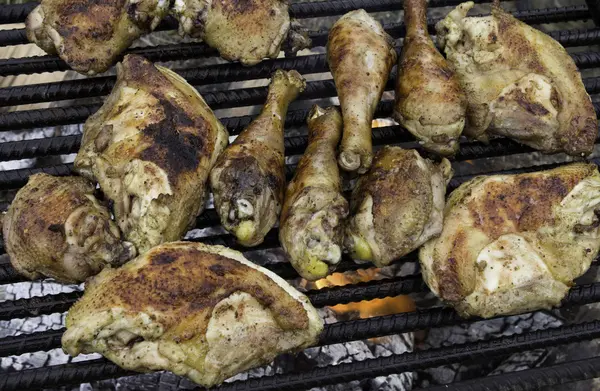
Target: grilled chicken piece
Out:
[520,83]
[244,30]
[311,227]
[201,311]
[90,35]
[429,100]
[248,180]
[55,227]
[397,206]
[151,147]
[360,56]
[515,243]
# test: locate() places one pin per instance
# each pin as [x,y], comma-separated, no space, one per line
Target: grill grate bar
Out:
[220,73]
[86,371]
[531,379]
[376,289]
[344,331]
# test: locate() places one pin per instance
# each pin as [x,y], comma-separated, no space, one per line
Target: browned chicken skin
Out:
[55,227]
[429,100]
[196,310]
[151,147]
[311,228]
[360,56]
[89,35]
[244,30]
[520,83]
[248,180]
[515,243]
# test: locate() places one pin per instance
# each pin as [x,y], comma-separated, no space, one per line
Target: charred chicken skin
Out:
[430,102]
[397,206]
[360,56]
[519,82]
[201,311]
[55,227]
[311,227]
[515,243]
[151,147]
[248,180]
[242,30]
[90,35]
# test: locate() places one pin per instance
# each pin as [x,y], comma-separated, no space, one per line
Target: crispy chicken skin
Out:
[248,180]
[360,56]
[89,35]
[55,227]
[519,82]
[201,311]
[151,147]
[515,243]
[430,102]
[397,206]
[244,30]
[311,228]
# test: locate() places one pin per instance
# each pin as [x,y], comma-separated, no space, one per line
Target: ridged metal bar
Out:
[376,289]
[15,13]
[66,374]
[532,379]
[333,333]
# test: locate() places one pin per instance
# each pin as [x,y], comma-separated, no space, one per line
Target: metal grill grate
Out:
[20,121]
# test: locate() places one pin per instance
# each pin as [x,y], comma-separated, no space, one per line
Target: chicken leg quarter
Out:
[519,82]
[312,219]
[248,180]
[151,147]
[360,56]
[429,100]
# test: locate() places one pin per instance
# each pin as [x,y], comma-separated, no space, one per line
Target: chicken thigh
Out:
[90,35]
[311,229]
[397,206]
[430,102]
[200,311]
[515,243]
[248,181]
[151,147]
[519,82]
[55,227]
[360,56]
[244,30]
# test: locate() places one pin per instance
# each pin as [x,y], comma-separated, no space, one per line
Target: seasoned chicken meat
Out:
[515,243]
[201,311]
[430,102]
[519,82]
[90,35]
[55,227]
[311,228]
[248,180]
[151,147]
[397,206]
[360,56]
[244,30]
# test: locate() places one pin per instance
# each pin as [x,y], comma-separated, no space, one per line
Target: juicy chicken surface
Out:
[430,102]
[244,30]
[90,35]
[311,228]
[360,55]
[55,227]
[519,82]
[397,206]
[248,180]
[151,147]
[201,311]
[515,243]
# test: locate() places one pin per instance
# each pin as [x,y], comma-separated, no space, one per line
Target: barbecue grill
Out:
[343,331]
